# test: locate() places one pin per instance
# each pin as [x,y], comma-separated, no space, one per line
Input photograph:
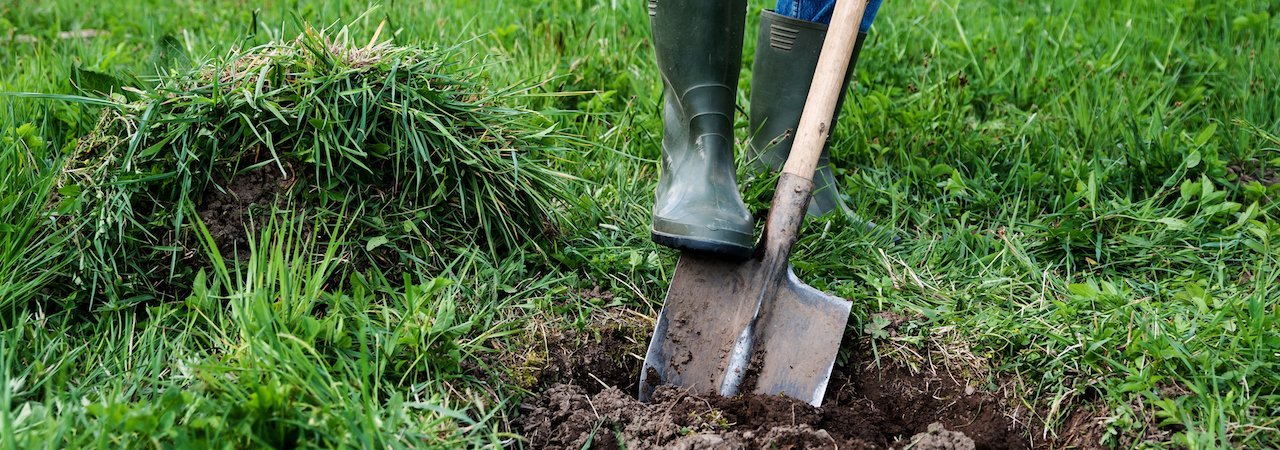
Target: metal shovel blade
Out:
[708,304]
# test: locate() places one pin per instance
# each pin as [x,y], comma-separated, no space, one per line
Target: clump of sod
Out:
[409,141]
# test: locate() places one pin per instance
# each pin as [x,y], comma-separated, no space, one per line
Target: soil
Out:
[226,207]
[1083,430]
[588,401]
[1254,170]
[609,356]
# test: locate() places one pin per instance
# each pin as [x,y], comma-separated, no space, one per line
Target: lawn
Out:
[227,225]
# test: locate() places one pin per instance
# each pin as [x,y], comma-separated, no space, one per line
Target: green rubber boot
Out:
[786,57]
[698,45]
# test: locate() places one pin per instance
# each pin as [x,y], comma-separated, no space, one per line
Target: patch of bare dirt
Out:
[1082,429]
[591,404]
[610,357]
[606,352]
[912,402]
[226,208]
[566,416]
[1253,170]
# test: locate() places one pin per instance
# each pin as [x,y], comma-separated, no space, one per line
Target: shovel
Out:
[733,326]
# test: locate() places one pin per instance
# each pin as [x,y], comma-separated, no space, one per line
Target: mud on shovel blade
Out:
[751,326]
[710,302]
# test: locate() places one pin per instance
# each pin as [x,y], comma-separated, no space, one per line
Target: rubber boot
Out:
[698,207]
[786,57]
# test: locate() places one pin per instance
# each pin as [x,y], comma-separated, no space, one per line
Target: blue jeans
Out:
[820,11]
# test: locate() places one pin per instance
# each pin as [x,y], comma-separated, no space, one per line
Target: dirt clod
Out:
[937,437]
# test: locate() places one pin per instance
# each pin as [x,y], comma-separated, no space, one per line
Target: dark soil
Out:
[607,357]
[589,402]
[226,207]
[1083,430]
[1249,171]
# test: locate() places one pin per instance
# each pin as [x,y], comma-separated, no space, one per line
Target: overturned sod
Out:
[413,138]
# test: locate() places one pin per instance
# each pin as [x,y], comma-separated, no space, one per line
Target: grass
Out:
[1086,194]
[433,157]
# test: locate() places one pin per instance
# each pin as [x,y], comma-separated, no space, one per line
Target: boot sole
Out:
[702,246]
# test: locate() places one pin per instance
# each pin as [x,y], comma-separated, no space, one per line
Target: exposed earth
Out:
[225,209]
[589,400]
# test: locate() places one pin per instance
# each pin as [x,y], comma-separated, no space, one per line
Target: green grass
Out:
[1086,192]
[412,137]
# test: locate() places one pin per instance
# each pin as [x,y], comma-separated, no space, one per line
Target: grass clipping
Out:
[410,137]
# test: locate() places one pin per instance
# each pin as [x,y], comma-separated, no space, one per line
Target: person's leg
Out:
[819,11]
[787,50]
[698,207]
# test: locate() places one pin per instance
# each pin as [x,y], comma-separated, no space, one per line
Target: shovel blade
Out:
[799,337]
[710,301]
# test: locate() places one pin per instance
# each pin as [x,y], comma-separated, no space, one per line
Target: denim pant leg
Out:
[820,11]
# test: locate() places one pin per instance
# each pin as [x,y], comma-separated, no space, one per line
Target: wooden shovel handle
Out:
[820,106]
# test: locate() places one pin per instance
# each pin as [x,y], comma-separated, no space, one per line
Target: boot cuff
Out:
[774,18]
[784,29]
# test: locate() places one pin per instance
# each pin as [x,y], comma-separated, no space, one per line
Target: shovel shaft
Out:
[824,93]
[786,215]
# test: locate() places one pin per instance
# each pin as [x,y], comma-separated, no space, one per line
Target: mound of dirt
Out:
[589,402]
